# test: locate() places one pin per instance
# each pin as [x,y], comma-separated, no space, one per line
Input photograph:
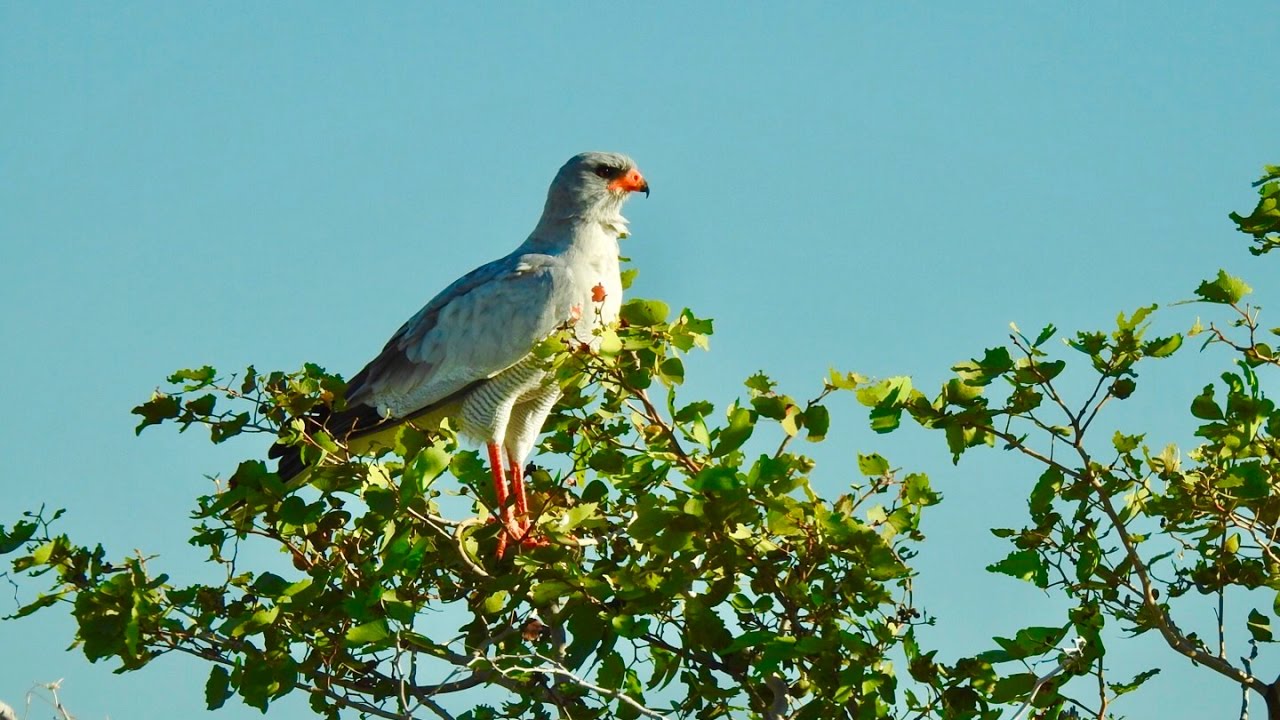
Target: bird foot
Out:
[521,531]
[530,541]
[512,529]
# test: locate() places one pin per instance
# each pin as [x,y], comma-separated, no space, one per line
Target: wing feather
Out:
[483,323]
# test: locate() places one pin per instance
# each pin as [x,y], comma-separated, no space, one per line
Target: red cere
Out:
[633,181]
[597,293]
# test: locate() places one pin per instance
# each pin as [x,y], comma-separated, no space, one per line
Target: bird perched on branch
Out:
[468,351]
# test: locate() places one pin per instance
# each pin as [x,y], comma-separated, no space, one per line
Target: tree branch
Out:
[556,669]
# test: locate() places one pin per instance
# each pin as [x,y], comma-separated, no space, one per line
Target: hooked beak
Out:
[633,181]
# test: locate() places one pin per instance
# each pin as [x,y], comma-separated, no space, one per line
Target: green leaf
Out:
[628,626]
[159,408]
[222,430]
[916,490]
[374,631]
[1251,479]
[611,671]
[495,602]
[1044,335]
[1013,687]
[771,406]
[847,381]
[1263,224]
[760,383]
[326,443]
[608,461]
[250,382]
[381,500]
[1260,626]
[715,478]
[872,465]
[1125,444]
[429,464]
[672,370]
[1031,641]
[270,585]
[1024,565]
[1224,290]
[994,363]
[886,399]
[693,411]
[1133,322]
[196,377]
[1123,388]
[959,392]
[41,555]
[1089,343]
[1162,347]
[610,342]
[1121,688]
[1204,407]
[817,420]
[792,420]
[202,405]
[1045,491]
[885,419]
[548,590]
[587,513]
[1029,371]
[644,313]
[11,540]
[39,603]
[741,425]
[261,618]
[889,391]
[218,687]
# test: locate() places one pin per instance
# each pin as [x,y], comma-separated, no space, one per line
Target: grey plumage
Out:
[471,343]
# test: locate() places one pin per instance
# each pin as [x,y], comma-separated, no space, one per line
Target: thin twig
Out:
[52,687]
[556,669]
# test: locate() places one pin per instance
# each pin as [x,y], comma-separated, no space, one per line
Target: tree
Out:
[690,570]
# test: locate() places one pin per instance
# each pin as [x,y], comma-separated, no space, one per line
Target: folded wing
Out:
[482,324]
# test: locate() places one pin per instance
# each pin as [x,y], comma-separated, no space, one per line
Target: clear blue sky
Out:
[878,187]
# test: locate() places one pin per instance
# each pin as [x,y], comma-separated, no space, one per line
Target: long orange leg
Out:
[517,492]
[500,492]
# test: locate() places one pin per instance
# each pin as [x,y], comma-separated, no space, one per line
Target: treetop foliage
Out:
[691,568]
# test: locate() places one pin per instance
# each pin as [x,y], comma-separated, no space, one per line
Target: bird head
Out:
[593,186]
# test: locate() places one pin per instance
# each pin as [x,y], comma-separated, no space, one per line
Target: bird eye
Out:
[606,171]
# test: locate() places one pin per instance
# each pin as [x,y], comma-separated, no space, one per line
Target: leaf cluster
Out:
[681,563]
[691,572]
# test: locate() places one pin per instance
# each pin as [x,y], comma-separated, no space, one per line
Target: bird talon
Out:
[511,530]
[502,545]
[533,541]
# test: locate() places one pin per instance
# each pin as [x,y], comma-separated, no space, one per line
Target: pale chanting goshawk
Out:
[467,352]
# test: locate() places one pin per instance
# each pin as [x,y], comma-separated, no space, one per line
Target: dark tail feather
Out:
[350,423]
[290,465]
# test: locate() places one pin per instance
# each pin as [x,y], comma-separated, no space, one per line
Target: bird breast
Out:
[487,409]
[512,405]
[597,274]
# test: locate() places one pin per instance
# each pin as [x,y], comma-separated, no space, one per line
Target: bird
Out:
[468,352]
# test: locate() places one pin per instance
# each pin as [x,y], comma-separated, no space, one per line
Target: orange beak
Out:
[633,181]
